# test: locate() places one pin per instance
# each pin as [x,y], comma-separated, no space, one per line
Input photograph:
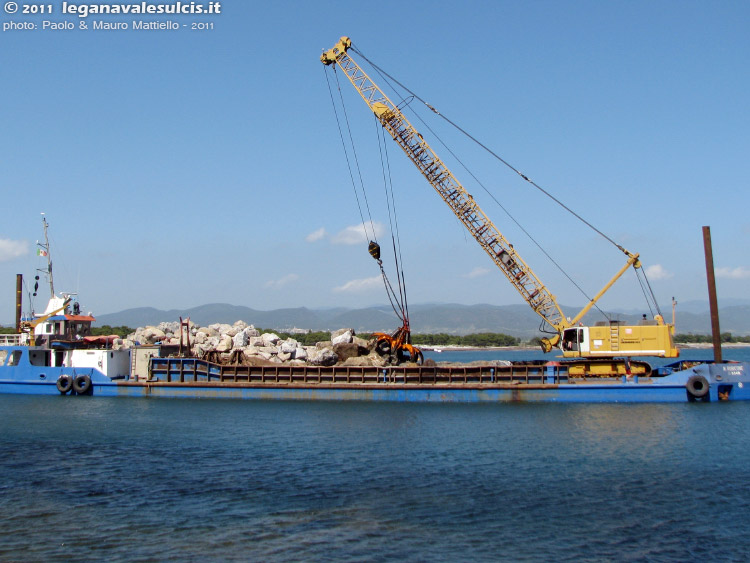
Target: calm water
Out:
[89,479]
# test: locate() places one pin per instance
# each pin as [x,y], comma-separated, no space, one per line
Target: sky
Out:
[183,167]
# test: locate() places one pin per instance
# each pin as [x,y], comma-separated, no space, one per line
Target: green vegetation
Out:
[311,338]
[306,339]
[106,330]
[726,337]
[440,339]
[473,340]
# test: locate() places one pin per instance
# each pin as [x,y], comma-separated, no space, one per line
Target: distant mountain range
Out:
[515,320]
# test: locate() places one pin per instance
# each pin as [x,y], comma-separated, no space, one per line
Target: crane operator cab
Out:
[615,338]
[575,341]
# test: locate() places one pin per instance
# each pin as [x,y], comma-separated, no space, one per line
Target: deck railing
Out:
[11,339]
[185,370]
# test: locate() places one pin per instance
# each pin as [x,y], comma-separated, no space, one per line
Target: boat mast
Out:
[43,250]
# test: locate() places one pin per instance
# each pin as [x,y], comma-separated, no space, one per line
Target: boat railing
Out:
[11,339]
[185,370]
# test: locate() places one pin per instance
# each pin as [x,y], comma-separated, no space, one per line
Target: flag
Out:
[41,252]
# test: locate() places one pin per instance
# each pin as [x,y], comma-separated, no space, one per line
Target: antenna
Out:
[43,250]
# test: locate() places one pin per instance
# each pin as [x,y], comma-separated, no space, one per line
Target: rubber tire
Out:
[82,384]
[697,386]
[64,383]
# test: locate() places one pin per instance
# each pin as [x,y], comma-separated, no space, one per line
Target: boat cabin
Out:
[61,322]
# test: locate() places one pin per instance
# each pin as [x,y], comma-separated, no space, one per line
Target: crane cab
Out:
[575,342]
[614,338]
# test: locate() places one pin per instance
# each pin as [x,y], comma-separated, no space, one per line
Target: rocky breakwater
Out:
[241,343]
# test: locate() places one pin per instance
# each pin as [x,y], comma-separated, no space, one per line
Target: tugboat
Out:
[54,350]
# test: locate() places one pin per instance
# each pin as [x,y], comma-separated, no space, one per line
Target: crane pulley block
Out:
[374,249]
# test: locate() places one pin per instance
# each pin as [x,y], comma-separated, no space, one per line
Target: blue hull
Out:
[704,382]
[664,391]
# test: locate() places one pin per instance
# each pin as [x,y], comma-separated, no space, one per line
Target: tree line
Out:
[437,339]
[726,337]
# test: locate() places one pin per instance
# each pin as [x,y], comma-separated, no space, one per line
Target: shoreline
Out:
[454,348]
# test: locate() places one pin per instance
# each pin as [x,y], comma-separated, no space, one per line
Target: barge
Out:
[103,372]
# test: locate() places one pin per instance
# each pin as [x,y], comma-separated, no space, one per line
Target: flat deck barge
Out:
[110,373]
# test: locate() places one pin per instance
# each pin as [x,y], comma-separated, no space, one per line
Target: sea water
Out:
[92,479]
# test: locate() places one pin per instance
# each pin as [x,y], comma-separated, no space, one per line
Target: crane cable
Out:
[404,103]
[346,154]
[527,179]
[498,157]
[390,292]
[501,206]
[393,220]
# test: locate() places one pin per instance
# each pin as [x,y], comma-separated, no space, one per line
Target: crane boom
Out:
[648,338]
[500,251]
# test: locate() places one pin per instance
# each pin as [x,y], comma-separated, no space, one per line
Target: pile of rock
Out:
[243,343]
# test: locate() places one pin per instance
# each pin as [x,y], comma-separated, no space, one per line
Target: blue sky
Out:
[184,168]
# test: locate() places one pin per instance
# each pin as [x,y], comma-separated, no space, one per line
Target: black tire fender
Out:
[64,383]
[697,386]
[82,384]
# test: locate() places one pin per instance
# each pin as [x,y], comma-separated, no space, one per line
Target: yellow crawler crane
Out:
[595,346]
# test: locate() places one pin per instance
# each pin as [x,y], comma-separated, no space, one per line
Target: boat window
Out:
[570,340]
[3,357]
[39,357]
[15,358]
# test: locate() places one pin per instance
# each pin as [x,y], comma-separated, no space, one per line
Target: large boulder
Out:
[376,359]
[151,334]
[254,351]
[171,328]
[344,337]
[323,357]
[270,338]
[221,328]
[240,340]
[225,344]
[289,346]
[362,343]
[346,350]
[256,341]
